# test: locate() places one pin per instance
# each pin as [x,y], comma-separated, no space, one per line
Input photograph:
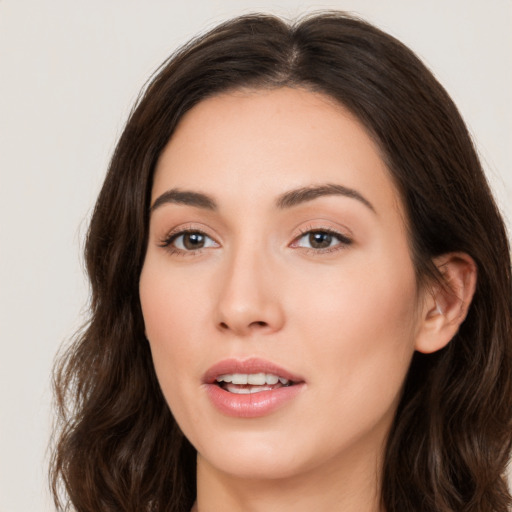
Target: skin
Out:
[347,318]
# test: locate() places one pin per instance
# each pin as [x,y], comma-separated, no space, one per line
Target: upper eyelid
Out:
[182,232]
[343,239]
[320,230]
[338,231]
[187,228]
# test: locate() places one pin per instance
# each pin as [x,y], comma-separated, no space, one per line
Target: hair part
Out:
[119,447]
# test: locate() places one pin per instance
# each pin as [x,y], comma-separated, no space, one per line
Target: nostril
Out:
[225,326]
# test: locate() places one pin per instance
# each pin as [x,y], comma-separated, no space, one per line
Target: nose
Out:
[249,301]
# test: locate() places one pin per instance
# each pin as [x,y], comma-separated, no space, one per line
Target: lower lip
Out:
[252,405]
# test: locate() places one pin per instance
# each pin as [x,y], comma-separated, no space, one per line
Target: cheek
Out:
[361,328]
[362,295]
[358,335]
[170,310]
[170,300]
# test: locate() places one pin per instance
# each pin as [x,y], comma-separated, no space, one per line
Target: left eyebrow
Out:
[304,194]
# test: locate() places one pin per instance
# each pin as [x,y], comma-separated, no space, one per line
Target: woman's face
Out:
[278,292]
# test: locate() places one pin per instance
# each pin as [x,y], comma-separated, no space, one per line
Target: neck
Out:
[347,486]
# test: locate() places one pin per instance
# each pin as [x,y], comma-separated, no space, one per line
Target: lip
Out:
[255,404]
[252,365]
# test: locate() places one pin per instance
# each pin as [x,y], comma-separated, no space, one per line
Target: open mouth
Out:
[251,388]
[248,383]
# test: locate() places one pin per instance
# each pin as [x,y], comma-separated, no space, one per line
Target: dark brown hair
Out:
[118,447]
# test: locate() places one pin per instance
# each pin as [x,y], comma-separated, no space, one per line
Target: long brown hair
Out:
[118,447]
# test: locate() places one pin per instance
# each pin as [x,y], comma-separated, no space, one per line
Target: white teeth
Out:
[255,379]
[239,378]
[272,379]
[239,391]
[246,391]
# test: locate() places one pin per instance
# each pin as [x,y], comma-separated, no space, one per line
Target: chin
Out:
[255,457]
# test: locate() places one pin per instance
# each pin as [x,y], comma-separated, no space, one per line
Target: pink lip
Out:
[255,404]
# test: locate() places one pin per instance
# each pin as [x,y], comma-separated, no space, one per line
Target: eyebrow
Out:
[304,194]
[287,200]
[185,197]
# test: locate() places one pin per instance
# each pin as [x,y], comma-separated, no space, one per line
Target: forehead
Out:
[260,143]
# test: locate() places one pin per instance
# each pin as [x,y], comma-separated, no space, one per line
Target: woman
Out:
[301,289]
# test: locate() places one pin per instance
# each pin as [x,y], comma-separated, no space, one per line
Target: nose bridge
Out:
[249,300]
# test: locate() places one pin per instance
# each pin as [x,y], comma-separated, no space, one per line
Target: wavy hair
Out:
[117,445]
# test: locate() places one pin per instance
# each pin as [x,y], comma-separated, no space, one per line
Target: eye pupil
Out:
[319,239]
[193,241]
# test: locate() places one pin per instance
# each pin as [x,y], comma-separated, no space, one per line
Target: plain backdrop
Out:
[69,73]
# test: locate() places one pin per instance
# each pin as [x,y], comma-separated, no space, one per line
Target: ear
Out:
[446,304]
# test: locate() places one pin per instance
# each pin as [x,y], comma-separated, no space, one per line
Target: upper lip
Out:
[246,366]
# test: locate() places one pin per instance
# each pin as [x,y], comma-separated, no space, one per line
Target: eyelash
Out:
[343,240]
[167,243]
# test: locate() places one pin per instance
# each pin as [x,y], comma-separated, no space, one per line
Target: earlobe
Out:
[446,304]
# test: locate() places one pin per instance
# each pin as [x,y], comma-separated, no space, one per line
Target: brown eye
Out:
[193,241]
[320,239]
[190,241]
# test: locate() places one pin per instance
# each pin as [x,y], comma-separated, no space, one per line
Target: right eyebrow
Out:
[186,197]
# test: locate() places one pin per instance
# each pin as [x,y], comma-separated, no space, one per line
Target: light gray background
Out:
[69,72]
